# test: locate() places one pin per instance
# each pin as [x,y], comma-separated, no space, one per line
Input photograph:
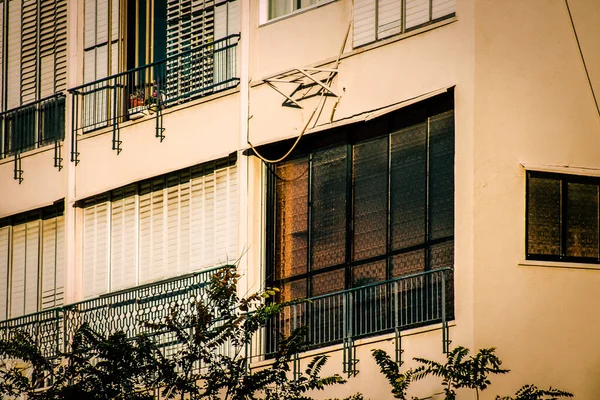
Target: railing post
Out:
[445,340]
[74,119]
[116,140]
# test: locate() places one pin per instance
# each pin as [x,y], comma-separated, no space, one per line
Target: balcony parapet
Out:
[149,89]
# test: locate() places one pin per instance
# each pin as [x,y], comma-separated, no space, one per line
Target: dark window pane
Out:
[441,175]
[408,186]
[368,273]
[328,282]
[293,290]
[408,263]
[292,218]
[329,207]
[582,220]
[544,221]
[370,198]
[441,255]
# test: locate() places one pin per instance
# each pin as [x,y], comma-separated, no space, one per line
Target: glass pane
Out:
[441,175]
[328,282]
[442,255]
[291,237]
[369,273]
[544,220]
[370,198]
[329,207]
[293,290]
[408,263]
[408,186]
[582,220]
[277,8]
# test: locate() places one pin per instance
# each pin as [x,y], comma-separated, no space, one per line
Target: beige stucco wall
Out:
[42,183]
[533,105]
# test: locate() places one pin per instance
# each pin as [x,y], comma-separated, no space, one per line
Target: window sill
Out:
[558,264]
[294,13]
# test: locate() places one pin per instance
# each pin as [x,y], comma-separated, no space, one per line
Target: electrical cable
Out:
[587,74]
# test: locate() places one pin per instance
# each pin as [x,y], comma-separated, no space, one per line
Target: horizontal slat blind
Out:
[364,22]
[13,74]
[4,263]
[1,76]
[29,47]
[441,8]
[417,12]
[17,286]
[389,18]
[95,249]
[53,269]
[32,257]
[123,239]
[152,256]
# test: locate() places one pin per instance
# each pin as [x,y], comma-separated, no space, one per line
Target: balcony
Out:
[126,311]
[31,126]
[152,88]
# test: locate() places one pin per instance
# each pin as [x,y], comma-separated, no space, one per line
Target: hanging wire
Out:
[319,107]
[587,74]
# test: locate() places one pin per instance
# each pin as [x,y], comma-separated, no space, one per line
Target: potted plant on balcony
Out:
[137,104]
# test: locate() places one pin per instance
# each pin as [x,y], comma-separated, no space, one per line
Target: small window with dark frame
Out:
[563,222]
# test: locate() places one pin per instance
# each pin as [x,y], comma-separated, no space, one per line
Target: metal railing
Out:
[149,89]
[402,303]
[32,125]
[128,311]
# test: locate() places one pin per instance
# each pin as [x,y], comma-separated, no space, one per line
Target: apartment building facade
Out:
[425,170]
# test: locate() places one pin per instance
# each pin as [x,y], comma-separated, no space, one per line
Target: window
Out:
[374,20]
[32,262]
[33,62]
[159,228]
[279,8]
[137,36]
[364,204]
[562,217]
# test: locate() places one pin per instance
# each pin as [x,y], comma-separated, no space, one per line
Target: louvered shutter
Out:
[1,63]
[13,76]
[17,281]
[441,8]
[152,231]
[417,12]
[203,216]
[95,248]
[226,23]
[123,234]
[53,46]
[389,18]
[225,212]
[364,22]
[178,224]
[4,277]
[190,24]
[29,47]
[52,279]
[32,266]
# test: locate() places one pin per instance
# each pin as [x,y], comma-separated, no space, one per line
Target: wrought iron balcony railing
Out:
[33,125]
[127,311]
[151,88]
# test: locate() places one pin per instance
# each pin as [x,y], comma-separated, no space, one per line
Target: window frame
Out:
[264,18]
[564,180]
[350,136]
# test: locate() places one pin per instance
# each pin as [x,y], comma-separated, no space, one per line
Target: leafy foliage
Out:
[391,370]
[462,371]
[210,361]
[532,392]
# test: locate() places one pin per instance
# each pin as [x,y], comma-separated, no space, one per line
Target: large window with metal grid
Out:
[364,204]
[167,226]
[562,221]
[32,261]
[33,64]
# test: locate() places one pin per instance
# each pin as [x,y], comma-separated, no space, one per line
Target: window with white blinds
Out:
[379,19]
[159,228]
[32,262]
[35,42]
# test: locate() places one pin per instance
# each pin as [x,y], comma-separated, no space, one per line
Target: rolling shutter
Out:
[24,282]
[364,22]
[1,80]
[389,18]
[417,12]
[441,8]
[29,51]
[123,239]
[13,74]
[151,267]
[17,281]
[4,262]
[53,46]
[53,268]
[95,248]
